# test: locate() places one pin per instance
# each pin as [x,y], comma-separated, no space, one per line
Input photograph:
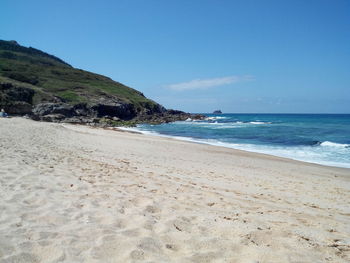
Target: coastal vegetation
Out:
[47,88]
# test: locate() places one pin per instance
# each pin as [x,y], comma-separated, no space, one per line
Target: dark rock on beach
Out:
[16,100]
[114,108]
[44,109]
[103,112]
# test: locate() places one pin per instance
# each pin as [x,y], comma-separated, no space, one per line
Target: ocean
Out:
[315,138]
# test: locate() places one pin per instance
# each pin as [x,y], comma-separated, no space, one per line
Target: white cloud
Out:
[208,83]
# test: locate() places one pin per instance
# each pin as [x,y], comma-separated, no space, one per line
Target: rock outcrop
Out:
[47,88]
[114,108]
[102,112]
[16,100]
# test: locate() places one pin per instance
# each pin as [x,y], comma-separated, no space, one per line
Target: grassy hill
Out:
[51,78]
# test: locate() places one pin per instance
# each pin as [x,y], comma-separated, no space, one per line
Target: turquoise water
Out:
[316,138]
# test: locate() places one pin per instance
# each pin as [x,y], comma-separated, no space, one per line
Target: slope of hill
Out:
[47,88]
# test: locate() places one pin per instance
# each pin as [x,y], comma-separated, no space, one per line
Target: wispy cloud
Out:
[208,83]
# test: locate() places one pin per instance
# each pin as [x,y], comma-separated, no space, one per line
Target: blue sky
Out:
[201,55]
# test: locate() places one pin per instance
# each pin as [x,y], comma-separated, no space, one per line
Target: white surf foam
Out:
[259,122]
[334,144]
[215,118]
[302,153]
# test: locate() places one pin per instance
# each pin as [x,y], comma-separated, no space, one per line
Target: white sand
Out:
[77,194]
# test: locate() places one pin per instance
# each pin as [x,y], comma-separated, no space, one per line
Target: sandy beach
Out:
[78,194]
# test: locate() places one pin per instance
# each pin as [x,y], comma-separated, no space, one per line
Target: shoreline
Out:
[72,193]
[217,144]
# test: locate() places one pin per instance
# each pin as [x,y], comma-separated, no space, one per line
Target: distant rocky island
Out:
[44,87]
[217,112]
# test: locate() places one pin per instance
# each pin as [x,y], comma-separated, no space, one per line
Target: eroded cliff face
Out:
[16,100]
[102,111]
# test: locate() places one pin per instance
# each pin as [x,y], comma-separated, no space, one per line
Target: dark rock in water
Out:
[217,112]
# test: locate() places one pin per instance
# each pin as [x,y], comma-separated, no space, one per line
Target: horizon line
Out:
[268,113]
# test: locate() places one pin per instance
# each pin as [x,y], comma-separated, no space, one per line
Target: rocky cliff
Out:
[46,88]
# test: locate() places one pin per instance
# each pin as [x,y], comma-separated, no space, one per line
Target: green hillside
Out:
[51,78]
